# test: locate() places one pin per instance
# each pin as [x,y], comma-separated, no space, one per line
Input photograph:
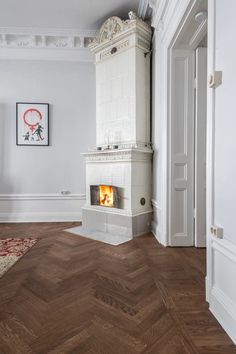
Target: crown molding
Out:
[142,8]
[158,13]
[49,31]
[147,8]
[14,37]
[38,43]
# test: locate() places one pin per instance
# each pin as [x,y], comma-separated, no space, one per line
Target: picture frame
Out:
[32,124]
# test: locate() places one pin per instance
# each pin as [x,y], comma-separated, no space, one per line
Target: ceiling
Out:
[62,14]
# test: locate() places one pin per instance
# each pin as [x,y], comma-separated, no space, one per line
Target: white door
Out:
[221,167]
[181,149]
[200,147]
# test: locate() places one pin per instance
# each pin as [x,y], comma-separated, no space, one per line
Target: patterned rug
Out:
[11,250]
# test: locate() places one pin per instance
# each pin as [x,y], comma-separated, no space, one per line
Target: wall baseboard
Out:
[41,207]
[224,310]
[155,231]
[221,293]
[155,227]
[42,197]
[207,289]
[39,217]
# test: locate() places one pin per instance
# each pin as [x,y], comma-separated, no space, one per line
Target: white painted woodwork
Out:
[168,20]
[221,171]
[182,148]
[147,8]
[143,8]
[41,207]
[200,147]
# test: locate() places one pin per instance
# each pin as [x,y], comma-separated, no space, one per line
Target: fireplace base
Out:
[116,222]
[111,239]
[112,227]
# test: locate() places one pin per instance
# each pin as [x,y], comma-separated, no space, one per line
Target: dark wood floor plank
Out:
[72,295]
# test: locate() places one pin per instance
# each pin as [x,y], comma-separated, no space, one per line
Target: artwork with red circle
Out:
[32,123]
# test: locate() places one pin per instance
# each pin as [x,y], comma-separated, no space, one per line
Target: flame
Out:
[106,196]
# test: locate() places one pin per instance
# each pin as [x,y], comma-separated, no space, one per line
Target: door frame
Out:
[210,147]
[188,9]
[168,19]
[200,147]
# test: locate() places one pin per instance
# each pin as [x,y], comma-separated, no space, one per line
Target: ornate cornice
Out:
[114,30]
[47,38]
[158,13]
[111,27]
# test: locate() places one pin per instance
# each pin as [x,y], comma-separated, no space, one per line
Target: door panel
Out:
[200,147]
[181,199]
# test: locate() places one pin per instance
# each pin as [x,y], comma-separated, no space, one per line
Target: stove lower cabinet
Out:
[118,191]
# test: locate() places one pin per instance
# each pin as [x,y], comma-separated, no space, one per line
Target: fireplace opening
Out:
[104,195]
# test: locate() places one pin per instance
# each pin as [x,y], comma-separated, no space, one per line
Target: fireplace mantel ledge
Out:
[131,154]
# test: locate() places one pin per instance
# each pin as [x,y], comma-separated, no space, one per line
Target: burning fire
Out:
[106,196]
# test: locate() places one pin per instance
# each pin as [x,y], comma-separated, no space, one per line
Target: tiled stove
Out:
[122,156]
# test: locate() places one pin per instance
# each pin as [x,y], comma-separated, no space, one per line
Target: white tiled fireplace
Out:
[122,155]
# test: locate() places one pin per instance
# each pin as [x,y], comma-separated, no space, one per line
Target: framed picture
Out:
[32,124]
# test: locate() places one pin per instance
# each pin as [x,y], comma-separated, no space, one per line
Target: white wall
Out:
[28,172]
[221,165]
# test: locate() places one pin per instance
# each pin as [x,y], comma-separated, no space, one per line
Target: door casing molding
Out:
[169,21]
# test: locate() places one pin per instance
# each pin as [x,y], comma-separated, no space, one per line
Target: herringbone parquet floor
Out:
[69,294]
